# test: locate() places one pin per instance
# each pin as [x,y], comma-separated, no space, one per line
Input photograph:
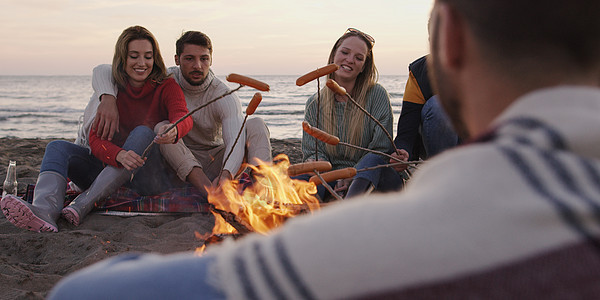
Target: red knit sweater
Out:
[147,106]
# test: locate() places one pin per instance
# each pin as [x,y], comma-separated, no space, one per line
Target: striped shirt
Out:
[514,215]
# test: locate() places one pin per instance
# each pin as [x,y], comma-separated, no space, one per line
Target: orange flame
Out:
[268,202]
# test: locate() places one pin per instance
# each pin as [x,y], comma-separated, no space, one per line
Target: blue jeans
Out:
[384,179]
[80,166]
[145,276]
[437,131]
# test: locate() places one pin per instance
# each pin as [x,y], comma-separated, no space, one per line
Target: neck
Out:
[488,97]
[346,84]
[484,102]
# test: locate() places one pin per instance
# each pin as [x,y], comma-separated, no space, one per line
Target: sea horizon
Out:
[50,106]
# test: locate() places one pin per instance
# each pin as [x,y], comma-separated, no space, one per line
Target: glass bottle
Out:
[10,183]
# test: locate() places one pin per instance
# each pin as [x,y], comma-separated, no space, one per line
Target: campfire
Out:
[261,205]
[272,196]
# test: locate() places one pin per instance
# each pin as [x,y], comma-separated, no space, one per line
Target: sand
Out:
[32,263]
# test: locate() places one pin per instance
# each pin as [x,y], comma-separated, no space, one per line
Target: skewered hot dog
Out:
[251,82]
[310,76]
[253,103]
[334,175]
[320,134]
[307,167]
[335,87]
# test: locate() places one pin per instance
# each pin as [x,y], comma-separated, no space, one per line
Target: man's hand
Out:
[403,156]
[225,175]
[167,138]
[130,160]
[106,122]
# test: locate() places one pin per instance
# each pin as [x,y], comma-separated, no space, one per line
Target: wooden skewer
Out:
[336,88]
[390,165]
[370,150]
[310,76]
[249,111]
[190,113]
[326,185]
[334,140]
[183,118]
[318,115]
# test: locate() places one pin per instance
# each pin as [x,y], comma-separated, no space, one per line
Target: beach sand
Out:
[32,263]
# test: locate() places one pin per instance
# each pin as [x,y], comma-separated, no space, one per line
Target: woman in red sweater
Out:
[148,101]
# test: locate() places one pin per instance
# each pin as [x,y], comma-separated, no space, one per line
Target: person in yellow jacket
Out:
[423,128]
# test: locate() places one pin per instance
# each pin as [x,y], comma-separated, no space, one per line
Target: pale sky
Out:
[258,37]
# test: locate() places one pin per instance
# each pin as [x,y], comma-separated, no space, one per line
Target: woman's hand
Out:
[402,155]
[130,160]
[168,137]
[342,185]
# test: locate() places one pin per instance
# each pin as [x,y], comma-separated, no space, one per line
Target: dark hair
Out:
[548,32]
[195,38]
[159,71]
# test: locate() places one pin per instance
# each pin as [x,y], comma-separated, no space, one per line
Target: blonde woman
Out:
[353,53]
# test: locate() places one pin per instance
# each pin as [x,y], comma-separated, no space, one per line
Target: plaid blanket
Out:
[186,199]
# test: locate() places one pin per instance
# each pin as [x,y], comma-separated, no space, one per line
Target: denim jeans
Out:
[76,163]
[383,179]
[437,131]
[142,276]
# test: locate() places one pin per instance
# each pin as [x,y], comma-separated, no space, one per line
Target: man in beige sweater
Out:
[198,157]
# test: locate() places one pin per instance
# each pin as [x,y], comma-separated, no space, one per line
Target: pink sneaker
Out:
[23,215]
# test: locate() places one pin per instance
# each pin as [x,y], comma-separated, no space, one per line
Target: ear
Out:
[452,32]
[176,59]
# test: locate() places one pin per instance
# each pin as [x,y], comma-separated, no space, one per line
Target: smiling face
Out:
[140,59]
[194,62]
[350,56]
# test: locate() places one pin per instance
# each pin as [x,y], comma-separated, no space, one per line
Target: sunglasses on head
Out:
[366,36]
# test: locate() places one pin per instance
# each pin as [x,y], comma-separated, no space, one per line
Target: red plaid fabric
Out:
[186,199]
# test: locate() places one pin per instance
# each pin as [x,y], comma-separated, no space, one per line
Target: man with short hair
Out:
[198,158]
[511,214]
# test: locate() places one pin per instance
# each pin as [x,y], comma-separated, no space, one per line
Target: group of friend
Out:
[511,213]
[137,98]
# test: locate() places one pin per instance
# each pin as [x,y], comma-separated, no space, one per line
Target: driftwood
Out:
[240,225]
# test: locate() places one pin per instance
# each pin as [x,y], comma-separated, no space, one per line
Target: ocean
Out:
[52,106]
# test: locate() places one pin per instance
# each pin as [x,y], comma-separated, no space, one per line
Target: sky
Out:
[258,37]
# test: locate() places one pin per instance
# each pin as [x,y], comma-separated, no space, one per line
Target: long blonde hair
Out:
[353,117]
[159,71]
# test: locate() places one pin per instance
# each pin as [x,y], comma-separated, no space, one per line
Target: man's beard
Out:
[442,85]
[197,82]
